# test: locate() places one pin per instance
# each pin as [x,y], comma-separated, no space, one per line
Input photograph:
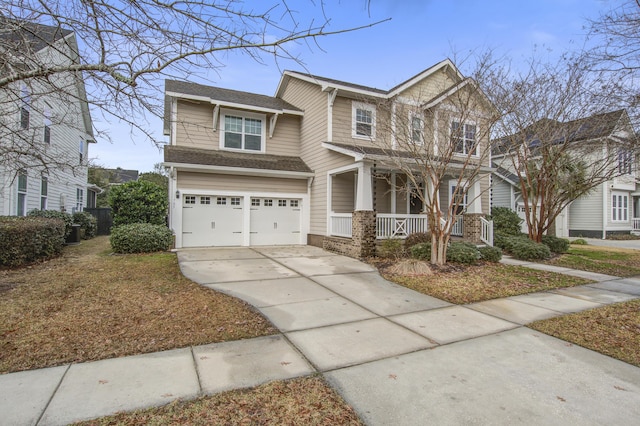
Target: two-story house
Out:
[612,206]
[45,124]
[310,165]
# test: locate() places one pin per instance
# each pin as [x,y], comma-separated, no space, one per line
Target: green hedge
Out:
[138,202]
[556,244]
[525,249]
[391,248]
[463,252]
[421,251]
[26,239]
[54,214]
[140,238]
[506,221]
[490,254]
[417,238]
[87,222]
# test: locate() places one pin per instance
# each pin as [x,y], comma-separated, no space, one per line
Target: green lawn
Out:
[604,260]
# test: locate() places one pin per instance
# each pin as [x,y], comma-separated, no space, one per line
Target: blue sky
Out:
[419,34]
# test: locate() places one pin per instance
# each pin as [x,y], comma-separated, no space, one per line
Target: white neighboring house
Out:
[45,124]
[612,207]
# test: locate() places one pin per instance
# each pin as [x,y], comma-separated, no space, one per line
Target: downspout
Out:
[605,209]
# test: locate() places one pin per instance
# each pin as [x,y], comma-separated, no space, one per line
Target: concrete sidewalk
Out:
[397,356]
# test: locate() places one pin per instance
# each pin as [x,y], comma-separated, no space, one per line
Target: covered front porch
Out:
[396,208]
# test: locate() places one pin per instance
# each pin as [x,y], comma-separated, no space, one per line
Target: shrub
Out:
[490,254]
[391,248]
[27,239]
[463,252]
[54,214]
[506,221]
[88,222]
[138,202]
[579,242]
[525,249]
[140,238]
[421,251]
[556,244]
[417,238]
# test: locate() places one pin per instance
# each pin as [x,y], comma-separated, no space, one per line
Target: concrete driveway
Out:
[404,358]
[628,244]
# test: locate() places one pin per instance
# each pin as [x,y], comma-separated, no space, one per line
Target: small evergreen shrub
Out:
[391,248]
[525,249]
[579,242]
[417,238]
[490,254]
[54,214]
[463,252]
[421,251]
[555,244]
[140,238]
[88,222]
[26,239]
[506,221]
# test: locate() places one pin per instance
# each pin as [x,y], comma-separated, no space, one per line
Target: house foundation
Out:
[472,227]
[363,237]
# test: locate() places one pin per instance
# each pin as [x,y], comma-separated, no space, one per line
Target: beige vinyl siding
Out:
[429,87]
[585,213]
[343,193]
[195,130]
[313,131]
[383,195]
[501,193]
[224,182]
[485,201]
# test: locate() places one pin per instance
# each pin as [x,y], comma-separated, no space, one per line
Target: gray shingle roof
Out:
[208,157]
[14,34]
[342,83]
[228,95]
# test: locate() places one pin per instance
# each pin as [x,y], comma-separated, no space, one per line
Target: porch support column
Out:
[475,198]
[393,192]
[364,191]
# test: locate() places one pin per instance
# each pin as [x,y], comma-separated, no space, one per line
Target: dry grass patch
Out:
[89,305]
[612,330]
[484,282]
[306,401]
[619,262]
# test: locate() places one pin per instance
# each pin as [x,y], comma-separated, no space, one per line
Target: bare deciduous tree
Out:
[123,50]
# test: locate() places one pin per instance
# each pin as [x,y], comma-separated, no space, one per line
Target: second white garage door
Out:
[275,221]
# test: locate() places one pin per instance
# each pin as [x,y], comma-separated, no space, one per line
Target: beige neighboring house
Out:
[302,166]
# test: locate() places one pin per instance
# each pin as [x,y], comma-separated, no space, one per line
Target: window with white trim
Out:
[189,199]
[255,202]
[463,138]
[293,203]
[81,151]
[242,131]
[459,199]
[619,207]
[47,126]
[79,199]
[22,193]
[267,203]
[625,161]
[416,128]
[44,192]
[282,203]
[221,201]
[205,200]
[25,107]
[235,201]
[363,121]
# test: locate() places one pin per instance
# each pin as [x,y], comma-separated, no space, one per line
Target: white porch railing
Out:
[341,224]
[486,231]
[457,230]
[636,224]
[389,225]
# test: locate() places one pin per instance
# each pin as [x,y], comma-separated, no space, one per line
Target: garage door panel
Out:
[275,221]
[211,221]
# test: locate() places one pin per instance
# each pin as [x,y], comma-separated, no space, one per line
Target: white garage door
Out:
[209,220]
[275,221]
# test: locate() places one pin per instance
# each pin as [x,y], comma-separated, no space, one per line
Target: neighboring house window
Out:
[625,161]
[22,193]
[25,108]
[619,207]
[463,138]
[79,199]
[47,127]
[44,192]
[81,151]
[417,129]
[244,132]
[364,121]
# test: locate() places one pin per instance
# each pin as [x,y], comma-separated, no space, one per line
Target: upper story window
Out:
[416,129]
[463,138]
[242,131]
[81,151]
[363,121]
[25,107]
[625,161]
[47,126]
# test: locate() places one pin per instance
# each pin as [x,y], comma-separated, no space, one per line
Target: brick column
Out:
[471,227]
[364,233]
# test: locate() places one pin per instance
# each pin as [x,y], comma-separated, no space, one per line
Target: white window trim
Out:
[412,115]
[44,198]
[618,209]
[465,185]
[370,107]
[243,114]
[626,161]
[25,193]
[464,123]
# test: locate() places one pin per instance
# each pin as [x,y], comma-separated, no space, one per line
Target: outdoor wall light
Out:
[177,194]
